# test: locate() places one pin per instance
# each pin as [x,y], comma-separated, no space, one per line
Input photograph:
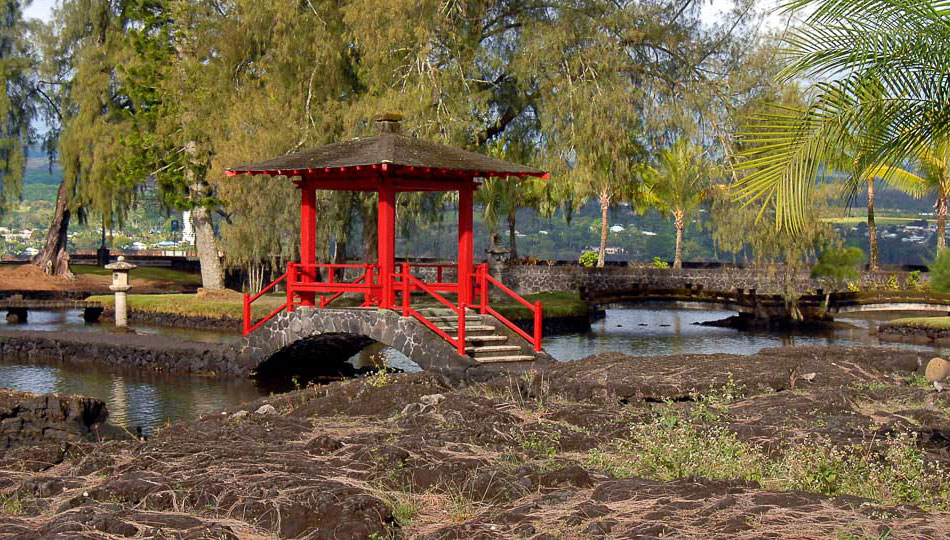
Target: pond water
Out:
[148,400]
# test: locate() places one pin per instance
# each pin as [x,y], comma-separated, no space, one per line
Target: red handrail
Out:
[408,283]
[324,302]
[484,281]
[248,300]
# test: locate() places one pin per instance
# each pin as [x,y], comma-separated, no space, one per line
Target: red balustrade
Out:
[301,281]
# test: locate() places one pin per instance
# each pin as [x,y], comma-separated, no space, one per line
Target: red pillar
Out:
[465,242]
[308,238]
[386,251]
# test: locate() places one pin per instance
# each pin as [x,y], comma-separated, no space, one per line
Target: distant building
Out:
[187,231]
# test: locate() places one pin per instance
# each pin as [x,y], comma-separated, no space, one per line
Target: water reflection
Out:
[649,332]
[150,399]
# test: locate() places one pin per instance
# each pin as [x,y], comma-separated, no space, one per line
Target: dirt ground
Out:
[554,454]
[28,278]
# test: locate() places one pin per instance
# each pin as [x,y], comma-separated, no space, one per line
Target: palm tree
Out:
[679,183]
[932,177]
[882,63]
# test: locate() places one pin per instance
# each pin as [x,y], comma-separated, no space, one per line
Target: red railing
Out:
[250,326]
[407,284]
[365,284]
[484,281]
[302,285]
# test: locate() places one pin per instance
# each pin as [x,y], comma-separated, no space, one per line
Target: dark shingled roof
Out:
[389,149]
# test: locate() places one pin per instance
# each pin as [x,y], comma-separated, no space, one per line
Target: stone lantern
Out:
[120,286]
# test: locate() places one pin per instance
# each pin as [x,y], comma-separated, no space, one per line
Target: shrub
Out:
[940,272]
[660,263]
[839,265]
[913,280]
[892,283]
[588,259]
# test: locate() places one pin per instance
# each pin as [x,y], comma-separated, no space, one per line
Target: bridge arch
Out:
[403,334]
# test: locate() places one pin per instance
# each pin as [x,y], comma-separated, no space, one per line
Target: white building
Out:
[187,229]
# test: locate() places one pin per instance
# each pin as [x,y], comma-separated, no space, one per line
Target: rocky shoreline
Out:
[123,350]
[788,443]
[907,333]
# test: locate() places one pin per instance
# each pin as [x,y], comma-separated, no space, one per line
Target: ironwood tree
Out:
[18,105]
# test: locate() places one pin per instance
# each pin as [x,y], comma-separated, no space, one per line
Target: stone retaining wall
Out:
[528,279]
[27,419]
[143,352]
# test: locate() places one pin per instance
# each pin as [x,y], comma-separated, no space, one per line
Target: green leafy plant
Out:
[588,259]
[913,281]
[940,272]
[380,378]
[660,263]
[853,287]
[892,283]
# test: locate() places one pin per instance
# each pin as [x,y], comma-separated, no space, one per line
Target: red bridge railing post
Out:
[483,287]
[461,332]
[537,326]
[247,314]
[405,289]
[291,279]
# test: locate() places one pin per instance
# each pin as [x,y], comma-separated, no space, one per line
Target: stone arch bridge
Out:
[493,346]
[748,302]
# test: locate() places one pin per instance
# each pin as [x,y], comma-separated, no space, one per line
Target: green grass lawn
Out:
[930,323]
[144,272]
[555,304]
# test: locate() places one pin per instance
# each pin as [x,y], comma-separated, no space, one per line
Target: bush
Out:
[660,263]
[913,281]
[940,272]
[839,265]
[588,259]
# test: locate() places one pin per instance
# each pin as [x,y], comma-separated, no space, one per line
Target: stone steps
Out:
[483,342]
[504,359]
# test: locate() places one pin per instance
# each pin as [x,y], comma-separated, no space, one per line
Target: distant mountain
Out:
[38,171]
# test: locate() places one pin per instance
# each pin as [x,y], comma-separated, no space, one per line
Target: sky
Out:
[39,9]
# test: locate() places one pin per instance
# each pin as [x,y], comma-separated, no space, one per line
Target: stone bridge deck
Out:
[772,305]
[18,307]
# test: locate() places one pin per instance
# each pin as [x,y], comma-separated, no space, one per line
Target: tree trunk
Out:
[872,229]
[54,259]
[679,222]
[512,236]
[212,276]
[941,222]
[604,206]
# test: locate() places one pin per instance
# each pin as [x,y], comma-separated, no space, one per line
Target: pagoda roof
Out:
[389,151]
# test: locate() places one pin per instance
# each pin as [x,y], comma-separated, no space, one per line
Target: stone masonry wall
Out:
[528,279]
[30,418]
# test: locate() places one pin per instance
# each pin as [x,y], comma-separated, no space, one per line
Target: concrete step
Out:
[468,333]
[489,350]
[492,338]
[468,328]
[502,359]
[474,319]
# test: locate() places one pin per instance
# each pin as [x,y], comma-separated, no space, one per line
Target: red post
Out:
[438,274]
[247,314]
[483,285]
[368,295]
[308,240]
[461,333]
[465,242]
[291,279]
[538,315]
[405,289]
[386,223]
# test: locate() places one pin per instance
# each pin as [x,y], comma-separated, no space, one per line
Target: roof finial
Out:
[388,122]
